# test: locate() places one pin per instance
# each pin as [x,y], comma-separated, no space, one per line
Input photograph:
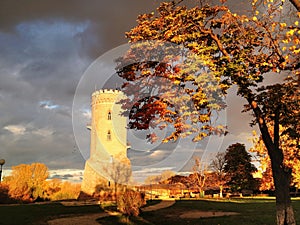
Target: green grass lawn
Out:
[38,214]
[251,212]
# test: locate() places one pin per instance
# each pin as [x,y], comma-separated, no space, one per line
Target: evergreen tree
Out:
[239,168]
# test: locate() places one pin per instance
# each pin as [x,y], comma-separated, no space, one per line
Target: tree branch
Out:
[262,125]
[215,38]
[276,127]
[217,41]
[296,3]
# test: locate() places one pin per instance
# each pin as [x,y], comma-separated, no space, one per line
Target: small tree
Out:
[118,172]
[199,175]
[239,168]
[218,165]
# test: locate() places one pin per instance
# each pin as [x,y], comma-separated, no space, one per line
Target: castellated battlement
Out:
[105,95]
[107,91]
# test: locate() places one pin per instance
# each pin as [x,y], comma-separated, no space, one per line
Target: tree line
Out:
[232,170]
[30,183]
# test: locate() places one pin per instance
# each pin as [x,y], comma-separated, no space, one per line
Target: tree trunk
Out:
[281,174]
[221,191]
[284,209]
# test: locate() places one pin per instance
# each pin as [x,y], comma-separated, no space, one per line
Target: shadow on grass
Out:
[251,212]
[123,220]
[39,214]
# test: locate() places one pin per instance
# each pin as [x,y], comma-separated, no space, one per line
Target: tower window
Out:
[108,135]
[109,115]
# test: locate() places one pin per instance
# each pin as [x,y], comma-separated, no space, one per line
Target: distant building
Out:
[108,162]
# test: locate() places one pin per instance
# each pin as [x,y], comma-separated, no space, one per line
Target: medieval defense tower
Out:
[108,162]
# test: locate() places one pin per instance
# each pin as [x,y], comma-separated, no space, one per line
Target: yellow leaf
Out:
[297,23]
[282,25]
[297,51]
[291,32]
[285,41]
[254,18]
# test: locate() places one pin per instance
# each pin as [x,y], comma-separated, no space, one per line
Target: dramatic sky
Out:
[45,48]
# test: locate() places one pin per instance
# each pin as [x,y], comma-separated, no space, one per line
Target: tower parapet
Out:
[106,96]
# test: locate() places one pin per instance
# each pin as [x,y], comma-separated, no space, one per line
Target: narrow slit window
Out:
[109,115]
[108,135]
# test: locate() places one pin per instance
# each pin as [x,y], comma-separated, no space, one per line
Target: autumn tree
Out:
[217,165]
[199,175]
[27,182]
[179,179]
[239,168]
[183,61]
[160,178]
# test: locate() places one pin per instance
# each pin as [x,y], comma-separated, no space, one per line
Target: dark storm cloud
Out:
[45,48]
[110,19]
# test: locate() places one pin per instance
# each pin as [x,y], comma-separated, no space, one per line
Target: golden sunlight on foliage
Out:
[29,183]
[26,182]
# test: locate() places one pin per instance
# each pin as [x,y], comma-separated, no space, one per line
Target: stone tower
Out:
[108,144]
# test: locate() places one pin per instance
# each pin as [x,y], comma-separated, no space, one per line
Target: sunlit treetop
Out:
[184,86]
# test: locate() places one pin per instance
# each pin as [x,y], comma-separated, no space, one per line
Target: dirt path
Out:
[161,205]
[91,218]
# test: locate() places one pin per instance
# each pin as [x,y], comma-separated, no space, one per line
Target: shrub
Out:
[130,202]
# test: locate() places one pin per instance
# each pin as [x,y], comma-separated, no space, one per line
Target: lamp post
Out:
[2,161]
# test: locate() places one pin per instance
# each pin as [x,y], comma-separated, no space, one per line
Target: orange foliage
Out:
[26,182]
[64,190]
